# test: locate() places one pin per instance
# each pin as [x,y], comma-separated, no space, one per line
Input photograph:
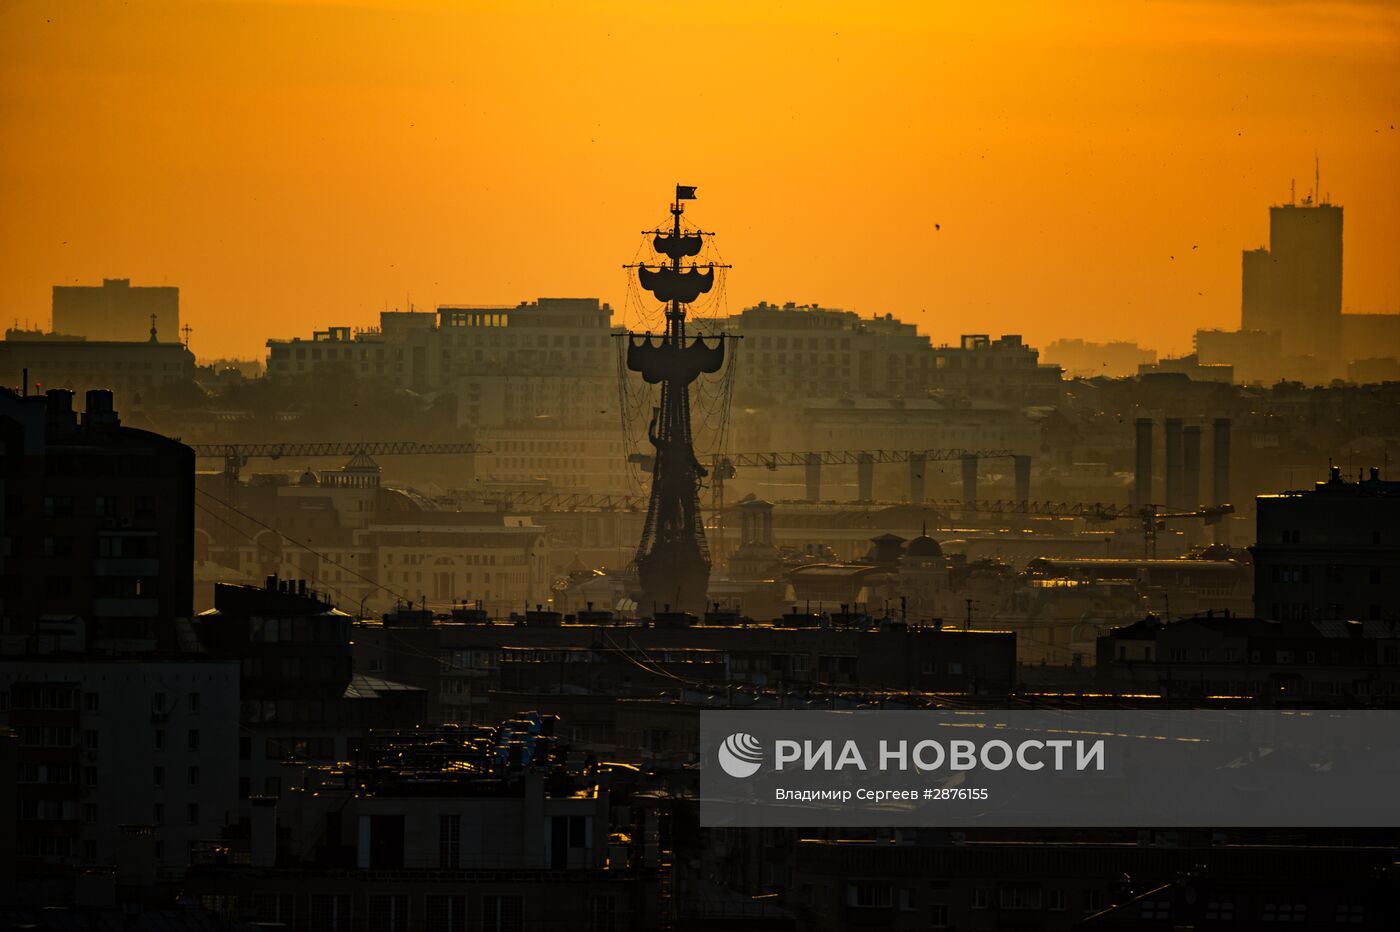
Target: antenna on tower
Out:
[1292,191]
[1317,178]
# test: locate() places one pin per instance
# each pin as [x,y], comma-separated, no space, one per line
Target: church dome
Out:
[924,547]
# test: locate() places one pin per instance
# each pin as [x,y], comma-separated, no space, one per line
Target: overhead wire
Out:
[309,549]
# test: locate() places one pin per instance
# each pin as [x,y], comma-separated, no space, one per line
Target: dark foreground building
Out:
[98,522]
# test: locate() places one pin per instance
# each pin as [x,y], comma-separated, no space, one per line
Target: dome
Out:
[924,547]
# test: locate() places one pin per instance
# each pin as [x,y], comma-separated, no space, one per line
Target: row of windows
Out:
[871,895]
[395,912]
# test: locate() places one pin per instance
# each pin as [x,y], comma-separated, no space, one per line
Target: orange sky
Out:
[292,165]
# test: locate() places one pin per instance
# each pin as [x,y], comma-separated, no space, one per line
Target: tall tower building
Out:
[1294,287]
[117,311]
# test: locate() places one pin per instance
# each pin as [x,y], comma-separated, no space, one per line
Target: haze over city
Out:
[1053,171]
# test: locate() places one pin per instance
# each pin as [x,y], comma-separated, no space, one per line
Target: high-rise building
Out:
[1329,553]
[97,522]
[1294,287]
[116,311]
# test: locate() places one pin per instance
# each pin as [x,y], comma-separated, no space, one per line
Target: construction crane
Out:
[236,455]
[1154,521]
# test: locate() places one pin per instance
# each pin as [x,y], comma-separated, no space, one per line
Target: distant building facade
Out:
[806,351]
[1268,663]
[1085,359]
[130,370]
[1191,367]
[551,358]
[1004,369]
[116,311]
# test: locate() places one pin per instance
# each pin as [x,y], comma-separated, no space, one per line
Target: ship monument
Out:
[673,560]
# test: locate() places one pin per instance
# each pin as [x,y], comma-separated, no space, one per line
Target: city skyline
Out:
[415,152]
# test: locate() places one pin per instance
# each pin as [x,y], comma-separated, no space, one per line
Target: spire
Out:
[153,329]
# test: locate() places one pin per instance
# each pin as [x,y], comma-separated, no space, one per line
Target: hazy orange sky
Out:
[292,165]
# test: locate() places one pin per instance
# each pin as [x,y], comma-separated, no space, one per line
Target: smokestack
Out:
[865,477]
[1142,489]
[1022,465]
[814,477]
[1175,464]
[969,477]
[1220,466]
[918,462]
[1191,460]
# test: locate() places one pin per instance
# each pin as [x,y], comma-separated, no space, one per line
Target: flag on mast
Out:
[685,192]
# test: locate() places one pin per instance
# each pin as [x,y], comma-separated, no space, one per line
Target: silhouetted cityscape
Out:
[410,627]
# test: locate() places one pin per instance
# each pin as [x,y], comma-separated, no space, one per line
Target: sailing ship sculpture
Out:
[673,561]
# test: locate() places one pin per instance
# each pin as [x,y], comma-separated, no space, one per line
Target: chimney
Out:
[100,412]
[1191,461]
[969,477]
[1220,466]
[60,409]
[1021,465]
[1175,457]
[1142,489]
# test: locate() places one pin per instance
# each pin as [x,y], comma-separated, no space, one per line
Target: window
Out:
[160,739]
[602,913]
[192,776]
[1019,896]
[1093,901]
[502,914]
[158,777]
[981,898]
[194,739]
[91,702]
[90,739]
[158,703]
[158,813]
[938,916]
[330,912]
[194,703]
[275,908]
[192,813]
[1284,912]
[1220,909]
[1055,899]
[445,913]
[449,840]
[1155,909]
[388,912]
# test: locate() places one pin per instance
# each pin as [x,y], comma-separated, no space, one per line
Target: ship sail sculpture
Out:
[673,561]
